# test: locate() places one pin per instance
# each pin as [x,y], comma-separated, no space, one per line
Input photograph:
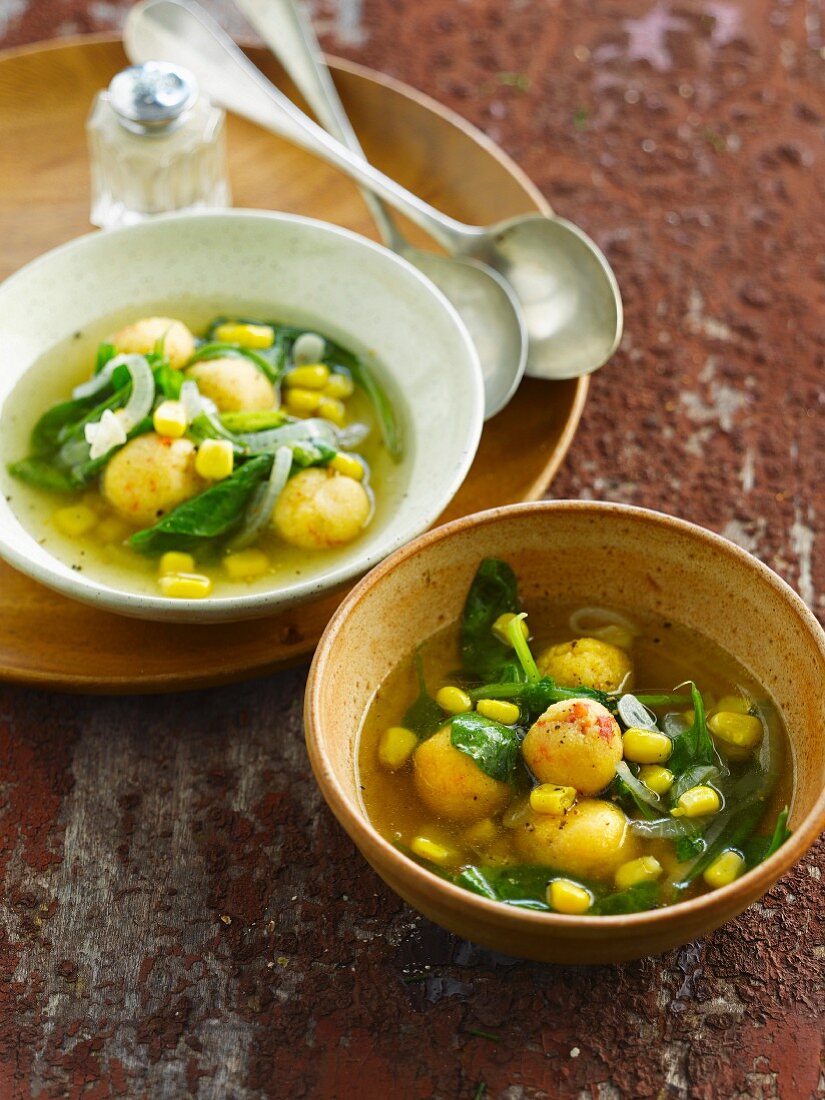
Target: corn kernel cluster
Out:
[312,389]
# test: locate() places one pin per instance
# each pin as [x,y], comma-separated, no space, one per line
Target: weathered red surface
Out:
[179,911]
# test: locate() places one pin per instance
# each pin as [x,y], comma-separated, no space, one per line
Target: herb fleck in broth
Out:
[103,552]
[493,851]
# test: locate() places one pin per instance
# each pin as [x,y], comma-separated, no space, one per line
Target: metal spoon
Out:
[565,287]
[483,298]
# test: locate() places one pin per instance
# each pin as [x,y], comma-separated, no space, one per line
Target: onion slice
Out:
[142,396]
[259,513]
[299,431]
[643,793]
[604,625]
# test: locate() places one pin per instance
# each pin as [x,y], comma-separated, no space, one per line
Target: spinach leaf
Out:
[535,698]
[493,746]
[362,376]
[733,825]
[635,899]
[43,474]
[758,848]
[105,352]
[686,847]
[424,716]
[493,592]
[210,516]
[168,382]
[695,745]
[49,431]
[84,472]
[75,429]
[525,887]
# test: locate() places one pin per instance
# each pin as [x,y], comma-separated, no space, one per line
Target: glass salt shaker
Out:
[156,145]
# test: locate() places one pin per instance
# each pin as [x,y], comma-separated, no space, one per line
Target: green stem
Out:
[519,644]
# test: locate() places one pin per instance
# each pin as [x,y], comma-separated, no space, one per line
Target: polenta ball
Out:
[587,662]
[150,476]
[234,383]
[575,743]
[320,509]
[451,783]
[141,337]
[592,839]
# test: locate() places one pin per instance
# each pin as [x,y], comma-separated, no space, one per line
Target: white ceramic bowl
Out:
[293,269]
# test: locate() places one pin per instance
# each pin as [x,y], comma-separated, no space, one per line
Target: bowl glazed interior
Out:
[586,553]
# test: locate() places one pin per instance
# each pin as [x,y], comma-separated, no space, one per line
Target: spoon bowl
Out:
[572,308]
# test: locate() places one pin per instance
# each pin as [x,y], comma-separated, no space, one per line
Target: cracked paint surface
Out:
[180,915]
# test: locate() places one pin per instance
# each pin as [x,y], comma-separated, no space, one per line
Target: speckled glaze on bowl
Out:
[597,554]
[302,271]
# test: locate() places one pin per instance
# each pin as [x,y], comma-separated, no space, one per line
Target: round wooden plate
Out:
[45,93]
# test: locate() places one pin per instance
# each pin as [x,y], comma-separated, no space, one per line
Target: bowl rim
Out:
[159,608]
[360,829]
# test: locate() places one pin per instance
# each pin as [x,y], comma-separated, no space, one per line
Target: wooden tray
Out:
[45,93]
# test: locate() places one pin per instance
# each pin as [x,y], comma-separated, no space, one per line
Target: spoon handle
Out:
[290,36]
[181,32]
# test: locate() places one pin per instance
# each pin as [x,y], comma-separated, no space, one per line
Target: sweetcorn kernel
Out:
[734,704]
[725,869]
[245,564]
[396,747]
[248,336]
[312,377]
[500,627]
[340,386]
[568,897]
[742,731]
[425,848]
[75,520]
[548,798]
[642,746]
[636,871]
[499,710]
[697,802]
[348,465]
[330,408]
[656,778]
[453,700]
[170,419]
[173,561]
[185,586]
[215,459]
[302,402]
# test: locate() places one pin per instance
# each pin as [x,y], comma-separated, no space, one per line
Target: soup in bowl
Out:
[213,416]
[576,732]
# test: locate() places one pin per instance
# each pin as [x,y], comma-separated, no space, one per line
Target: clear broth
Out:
[664,654]
[69,363]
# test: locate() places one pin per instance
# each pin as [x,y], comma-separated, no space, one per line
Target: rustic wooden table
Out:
[181,915]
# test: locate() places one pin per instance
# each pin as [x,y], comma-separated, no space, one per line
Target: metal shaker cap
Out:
[153,98]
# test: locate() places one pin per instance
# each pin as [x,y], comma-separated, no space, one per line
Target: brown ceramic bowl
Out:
[599,554]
